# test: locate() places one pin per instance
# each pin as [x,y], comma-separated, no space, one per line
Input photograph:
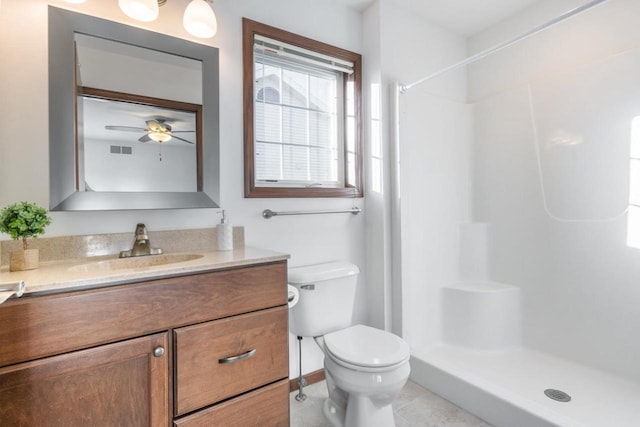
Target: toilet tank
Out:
[327,294]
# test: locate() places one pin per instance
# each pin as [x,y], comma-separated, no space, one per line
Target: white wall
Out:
[435,141]
[149,167]
[24,136]
[579,279]
[105,64]
[377,219]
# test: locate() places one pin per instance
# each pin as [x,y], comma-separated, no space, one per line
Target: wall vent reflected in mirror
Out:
[120,149]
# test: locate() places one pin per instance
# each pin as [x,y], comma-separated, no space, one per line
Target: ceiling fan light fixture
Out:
[141,10]
[199,19]
[160,136]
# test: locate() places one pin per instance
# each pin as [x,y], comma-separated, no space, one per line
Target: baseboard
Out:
[312,378]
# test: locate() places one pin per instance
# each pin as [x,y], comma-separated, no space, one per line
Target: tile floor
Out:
[414,407]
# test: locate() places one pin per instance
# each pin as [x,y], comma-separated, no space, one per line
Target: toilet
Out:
[365,367]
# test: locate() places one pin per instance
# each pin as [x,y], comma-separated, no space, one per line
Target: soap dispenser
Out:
[225,234]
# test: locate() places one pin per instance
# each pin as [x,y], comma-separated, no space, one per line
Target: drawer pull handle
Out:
[158,352]
[232,359]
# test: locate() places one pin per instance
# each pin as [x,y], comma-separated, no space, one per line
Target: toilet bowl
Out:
[365,367]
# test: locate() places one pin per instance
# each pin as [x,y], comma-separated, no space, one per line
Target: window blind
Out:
[274,47]
[298,116]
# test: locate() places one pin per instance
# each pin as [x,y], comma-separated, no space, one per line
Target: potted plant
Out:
[24,220]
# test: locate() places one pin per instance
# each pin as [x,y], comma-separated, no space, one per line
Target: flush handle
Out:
[239,357]
[311,287]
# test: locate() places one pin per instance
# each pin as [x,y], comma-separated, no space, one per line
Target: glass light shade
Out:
[199,19]
[142,10]
[159,136]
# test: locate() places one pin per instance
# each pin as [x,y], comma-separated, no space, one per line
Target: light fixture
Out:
[198,19]
[159,136]
[75,1]
[142,10]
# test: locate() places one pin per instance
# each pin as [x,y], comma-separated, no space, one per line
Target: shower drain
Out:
[558,395]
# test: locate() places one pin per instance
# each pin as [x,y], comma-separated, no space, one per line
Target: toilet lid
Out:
[366,346]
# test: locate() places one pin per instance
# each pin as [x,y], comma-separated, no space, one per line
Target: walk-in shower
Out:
[516,203]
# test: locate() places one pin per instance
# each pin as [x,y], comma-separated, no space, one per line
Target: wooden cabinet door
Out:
[121,384]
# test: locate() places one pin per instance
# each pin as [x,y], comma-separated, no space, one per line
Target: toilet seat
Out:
[362,347]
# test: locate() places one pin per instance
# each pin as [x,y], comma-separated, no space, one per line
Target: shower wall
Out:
[533,141]
[552,135]
[435,183]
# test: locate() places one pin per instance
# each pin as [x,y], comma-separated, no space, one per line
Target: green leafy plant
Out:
[23,220]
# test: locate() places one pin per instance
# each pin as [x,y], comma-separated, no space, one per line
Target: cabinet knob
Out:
[158,351]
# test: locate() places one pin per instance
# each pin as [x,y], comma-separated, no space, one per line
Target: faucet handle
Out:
[141,231]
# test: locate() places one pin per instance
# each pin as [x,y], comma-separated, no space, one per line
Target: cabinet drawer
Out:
[223,358]
[267,406]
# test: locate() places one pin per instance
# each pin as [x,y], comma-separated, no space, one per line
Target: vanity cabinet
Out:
[195,350]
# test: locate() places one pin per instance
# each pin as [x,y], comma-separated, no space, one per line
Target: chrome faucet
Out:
[141,244]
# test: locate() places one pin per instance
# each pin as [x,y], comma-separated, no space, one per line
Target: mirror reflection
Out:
[136,147]
[111,65]
[125,124]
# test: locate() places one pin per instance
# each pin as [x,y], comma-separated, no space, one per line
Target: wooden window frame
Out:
[350,189]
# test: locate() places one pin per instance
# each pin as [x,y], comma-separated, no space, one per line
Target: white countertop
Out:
[63,276]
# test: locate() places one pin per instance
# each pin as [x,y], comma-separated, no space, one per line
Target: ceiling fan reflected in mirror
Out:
[157,130]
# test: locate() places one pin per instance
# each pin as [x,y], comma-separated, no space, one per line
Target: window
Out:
[376,139]
[302,101]
[633,214]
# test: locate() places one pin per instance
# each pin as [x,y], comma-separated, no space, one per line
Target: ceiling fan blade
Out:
[181,139]
[144,138]
[163,119]
[125,128]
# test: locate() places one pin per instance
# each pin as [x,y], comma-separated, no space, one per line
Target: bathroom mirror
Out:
[133,117]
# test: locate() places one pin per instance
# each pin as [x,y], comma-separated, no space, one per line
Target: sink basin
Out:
[134,262]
